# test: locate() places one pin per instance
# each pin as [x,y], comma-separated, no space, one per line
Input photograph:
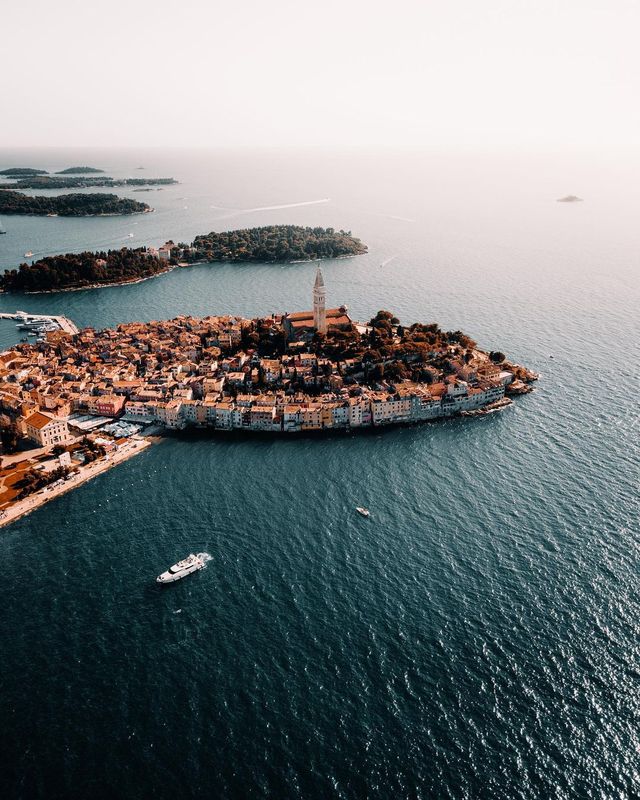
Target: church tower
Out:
[319,308]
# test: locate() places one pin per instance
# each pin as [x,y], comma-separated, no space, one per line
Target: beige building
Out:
[46,431]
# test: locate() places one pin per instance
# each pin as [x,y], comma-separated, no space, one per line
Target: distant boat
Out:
[28,254]
[130,235]
[2,230]
[364,511]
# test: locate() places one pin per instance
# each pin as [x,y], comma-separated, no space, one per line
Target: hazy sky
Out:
[559,73]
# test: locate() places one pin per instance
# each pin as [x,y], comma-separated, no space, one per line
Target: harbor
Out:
[45,321]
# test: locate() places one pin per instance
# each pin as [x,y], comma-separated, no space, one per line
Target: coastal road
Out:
[130,448]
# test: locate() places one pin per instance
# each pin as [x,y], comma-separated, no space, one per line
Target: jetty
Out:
[64,323]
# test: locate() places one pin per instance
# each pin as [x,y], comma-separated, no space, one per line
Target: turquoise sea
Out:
[477,637]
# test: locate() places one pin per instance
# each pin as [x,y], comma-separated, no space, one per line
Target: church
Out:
[301,326]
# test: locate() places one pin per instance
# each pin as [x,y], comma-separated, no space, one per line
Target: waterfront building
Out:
[46,431]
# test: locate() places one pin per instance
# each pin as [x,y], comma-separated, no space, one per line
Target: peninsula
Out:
[90,397]
[68,205]
[92,269]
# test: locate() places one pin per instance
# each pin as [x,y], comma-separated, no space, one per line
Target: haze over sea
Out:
[477,636]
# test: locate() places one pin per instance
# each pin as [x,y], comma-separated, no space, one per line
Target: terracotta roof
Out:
[333,319]
[303,315]
[39,420]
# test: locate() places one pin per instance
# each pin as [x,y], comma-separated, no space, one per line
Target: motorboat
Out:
[28,254]
[192,563]
[364,511]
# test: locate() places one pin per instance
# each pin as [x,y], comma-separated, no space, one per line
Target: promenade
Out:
[22,507]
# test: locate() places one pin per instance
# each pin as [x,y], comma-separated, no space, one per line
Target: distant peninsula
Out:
[21,172]
[80,182]
[78,171]
[68,205]
[570,198]
[284,243]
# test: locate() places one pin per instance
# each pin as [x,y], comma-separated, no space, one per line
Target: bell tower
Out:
[319,307]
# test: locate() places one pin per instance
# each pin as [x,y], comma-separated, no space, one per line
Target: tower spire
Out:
[319,308]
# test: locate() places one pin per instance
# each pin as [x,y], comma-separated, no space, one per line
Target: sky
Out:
[533,74]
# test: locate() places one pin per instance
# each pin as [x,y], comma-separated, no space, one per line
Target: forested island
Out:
[22,172]
[89,269]
[54,182]
[274,243]
[78,171]
[68,205]
[80,270]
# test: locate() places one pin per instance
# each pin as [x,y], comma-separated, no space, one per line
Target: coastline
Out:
[23,507]
[77,216]
[170,269]
[99,285]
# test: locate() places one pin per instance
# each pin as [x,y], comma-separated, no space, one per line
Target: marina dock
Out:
[64,323]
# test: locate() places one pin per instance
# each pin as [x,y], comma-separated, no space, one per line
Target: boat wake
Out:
[237,211]
[205,557]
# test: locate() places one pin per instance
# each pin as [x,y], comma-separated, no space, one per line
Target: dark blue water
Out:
[477,637]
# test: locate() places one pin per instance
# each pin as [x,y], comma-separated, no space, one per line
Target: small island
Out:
[274,243]
[88,182]
[78,171]
[22,172]
[570,198]
[68,205]
[283,243]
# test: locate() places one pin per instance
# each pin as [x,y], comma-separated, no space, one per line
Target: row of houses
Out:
[407,403]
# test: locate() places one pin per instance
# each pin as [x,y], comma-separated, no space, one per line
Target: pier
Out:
[64,323]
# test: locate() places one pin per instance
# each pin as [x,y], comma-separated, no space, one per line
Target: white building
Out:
[46,431]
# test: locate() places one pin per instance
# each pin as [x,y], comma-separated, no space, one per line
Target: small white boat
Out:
[28,254]
[192,563]
[130,236]
[364,511]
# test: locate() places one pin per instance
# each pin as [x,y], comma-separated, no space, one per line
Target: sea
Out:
[478,636]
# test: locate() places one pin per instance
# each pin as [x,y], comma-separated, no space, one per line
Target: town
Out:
[89,394]
[303,371]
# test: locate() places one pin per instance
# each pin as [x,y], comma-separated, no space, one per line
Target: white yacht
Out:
[364,511]
[190,564]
